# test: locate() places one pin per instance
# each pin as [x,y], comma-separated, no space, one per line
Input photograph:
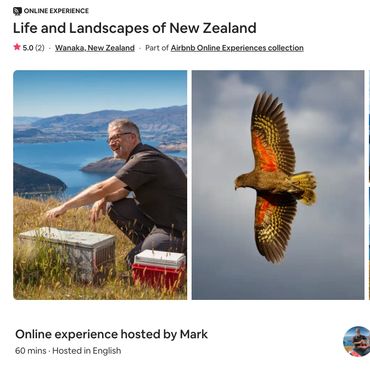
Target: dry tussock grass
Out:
[43,274]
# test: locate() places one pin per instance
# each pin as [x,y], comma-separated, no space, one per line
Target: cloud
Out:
[324,260]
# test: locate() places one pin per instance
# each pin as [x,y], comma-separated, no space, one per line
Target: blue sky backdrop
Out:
[351,332]
[47,93]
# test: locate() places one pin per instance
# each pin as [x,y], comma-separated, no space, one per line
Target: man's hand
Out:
[55,212]
[96,192]
[99,206]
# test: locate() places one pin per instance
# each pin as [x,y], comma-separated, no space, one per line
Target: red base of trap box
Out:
[158,277]
[159,269]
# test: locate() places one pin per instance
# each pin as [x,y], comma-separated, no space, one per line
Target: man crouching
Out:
[155,217]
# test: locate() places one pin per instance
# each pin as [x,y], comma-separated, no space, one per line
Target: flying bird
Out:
[278,188]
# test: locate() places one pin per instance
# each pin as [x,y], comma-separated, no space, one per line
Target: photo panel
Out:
[273,246]
[100,184]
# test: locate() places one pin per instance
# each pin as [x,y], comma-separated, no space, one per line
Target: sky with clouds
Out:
[325,254]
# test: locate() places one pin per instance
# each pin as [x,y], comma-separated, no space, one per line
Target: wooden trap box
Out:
[90,255]
[159,268]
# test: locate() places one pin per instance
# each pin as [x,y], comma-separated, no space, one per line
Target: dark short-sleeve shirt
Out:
[357,339]
[159,186]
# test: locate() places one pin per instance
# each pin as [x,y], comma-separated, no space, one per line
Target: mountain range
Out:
[162,124]
[17,121]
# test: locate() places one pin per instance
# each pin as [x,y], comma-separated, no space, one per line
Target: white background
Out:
[306,334]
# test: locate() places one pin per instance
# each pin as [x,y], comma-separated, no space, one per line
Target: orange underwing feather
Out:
[261,207]
[266,157]
[270,136]
[273,217]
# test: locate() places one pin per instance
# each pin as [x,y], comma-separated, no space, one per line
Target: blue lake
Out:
[64,160]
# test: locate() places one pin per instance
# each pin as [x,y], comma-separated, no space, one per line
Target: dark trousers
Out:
[142,231]
[362,351]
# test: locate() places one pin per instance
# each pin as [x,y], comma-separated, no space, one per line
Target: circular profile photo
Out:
[356,341]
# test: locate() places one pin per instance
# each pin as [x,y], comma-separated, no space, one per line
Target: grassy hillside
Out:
[40,273]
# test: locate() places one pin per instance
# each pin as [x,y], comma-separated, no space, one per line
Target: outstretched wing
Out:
[270,136]
[274,216]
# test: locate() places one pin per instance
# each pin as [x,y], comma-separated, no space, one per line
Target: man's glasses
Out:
[117,136]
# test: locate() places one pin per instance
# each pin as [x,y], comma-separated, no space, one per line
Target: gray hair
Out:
[125,125]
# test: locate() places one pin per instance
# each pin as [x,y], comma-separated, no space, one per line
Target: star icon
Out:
[17,46]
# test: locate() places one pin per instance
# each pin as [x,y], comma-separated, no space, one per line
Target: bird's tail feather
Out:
[304,183]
